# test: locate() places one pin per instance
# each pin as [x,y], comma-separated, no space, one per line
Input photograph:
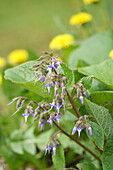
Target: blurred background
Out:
[31,25]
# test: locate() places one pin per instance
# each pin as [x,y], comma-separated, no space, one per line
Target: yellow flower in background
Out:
[59,59]
[61,41]
[80,18]
[111,54]
[2,62]
[0,79]
[17,57]
[87,2]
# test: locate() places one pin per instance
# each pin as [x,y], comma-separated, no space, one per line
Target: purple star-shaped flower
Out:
[43,79]
[26,116]
[50,68]
[57,107]
[50,121]
[48,148]
[57,118]
[78,129]
[41,123]
[56,64]
[52,104]
[48,87]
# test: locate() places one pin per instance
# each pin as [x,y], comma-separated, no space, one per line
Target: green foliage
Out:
[98,86]
[86,166]
[102,97]
[93,50]
[101,116]
[17,147]
[107,157]
[97,135]
[67,143]
[43,139]
[68,73]
[90,67]
[102,72]
[59,159]
[24,76]
[87,82]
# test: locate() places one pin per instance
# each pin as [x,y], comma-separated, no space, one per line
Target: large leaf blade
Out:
[107,157]
[93,50]
[101,115]
[102,72]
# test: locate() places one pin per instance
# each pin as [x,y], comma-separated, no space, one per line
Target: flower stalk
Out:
[84,147]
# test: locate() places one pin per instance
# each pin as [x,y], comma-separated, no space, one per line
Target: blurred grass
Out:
[31,24]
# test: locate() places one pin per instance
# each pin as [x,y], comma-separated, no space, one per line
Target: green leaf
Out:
[59,159]
[16,135]
[97,135]
[68,73]
[29,134]
[82,63]
[86,166]
[93,50]
[102,72]
[17,147]
[100,97]
[13,89]
[68,143]
[98,86]
[30,148]
[107,157]
[43,139]
[24,75]
[101,115]
[77,76]
[87,82]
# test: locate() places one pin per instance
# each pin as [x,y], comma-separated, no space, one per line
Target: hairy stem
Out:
[84,147]
[73,104]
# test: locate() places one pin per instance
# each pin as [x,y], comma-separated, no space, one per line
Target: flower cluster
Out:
[53,114]
[52,144]
[87,2]
[80,18]
[61,41]
[80,91]
[81,124]
[52,110]
[46,71]
[49,71]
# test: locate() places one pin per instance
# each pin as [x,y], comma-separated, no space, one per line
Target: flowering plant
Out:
[54,82]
